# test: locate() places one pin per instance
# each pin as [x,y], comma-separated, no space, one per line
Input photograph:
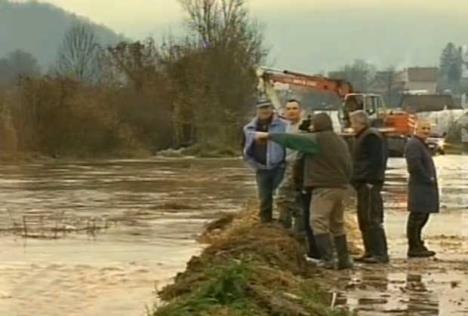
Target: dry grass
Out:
[248,269]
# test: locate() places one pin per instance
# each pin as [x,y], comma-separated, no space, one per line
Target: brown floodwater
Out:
[151,212]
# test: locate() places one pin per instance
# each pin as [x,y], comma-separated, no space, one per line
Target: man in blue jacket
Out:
[265,157]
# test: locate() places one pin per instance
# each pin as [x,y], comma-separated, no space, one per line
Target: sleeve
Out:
[304,143]
[415,166]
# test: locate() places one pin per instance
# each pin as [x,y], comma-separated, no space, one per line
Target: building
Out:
[418,79]
[464,53]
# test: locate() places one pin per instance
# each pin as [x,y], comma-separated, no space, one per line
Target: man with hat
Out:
[265,157]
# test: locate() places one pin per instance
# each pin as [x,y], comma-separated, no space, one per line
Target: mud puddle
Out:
[417,286]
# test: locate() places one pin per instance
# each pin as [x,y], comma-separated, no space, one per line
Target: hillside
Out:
[39,28]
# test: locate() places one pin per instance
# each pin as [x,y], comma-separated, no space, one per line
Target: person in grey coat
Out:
[423,191]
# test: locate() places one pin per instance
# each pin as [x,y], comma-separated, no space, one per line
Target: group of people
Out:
[312,168]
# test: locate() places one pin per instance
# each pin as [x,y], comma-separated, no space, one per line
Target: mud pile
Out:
[247,269]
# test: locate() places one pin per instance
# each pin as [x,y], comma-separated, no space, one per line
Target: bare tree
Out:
[78,55]
[228,46]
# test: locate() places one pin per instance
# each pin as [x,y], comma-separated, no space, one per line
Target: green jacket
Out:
[328,162]
[305,143]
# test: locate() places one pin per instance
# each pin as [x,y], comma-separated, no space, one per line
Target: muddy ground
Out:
[157,208]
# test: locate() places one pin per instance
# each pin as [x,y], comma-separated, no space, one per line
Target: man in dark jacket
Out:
[327,171]
[423,191]
[370,161]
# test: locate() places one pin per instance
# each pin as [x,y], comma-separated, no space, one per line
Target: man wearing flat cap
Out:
[265,157]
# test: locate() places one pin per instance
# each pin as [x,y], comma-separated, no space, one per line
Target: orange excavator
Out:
[396,125]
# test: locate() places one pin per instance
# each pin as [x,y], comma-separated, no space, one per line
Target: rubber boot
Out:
[284,217]
[344,259]
[324,246]
[379,246]
[367,247]
[312,251]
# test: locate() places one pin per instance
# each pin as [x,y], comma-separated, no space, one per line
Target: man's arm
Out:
[305,143]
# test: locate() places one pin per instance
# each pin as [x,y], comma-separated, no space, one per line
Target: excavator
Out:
[397,126]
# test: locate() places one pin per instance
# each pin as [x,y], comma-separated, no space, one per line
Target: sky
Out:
[138,18]
[311,35]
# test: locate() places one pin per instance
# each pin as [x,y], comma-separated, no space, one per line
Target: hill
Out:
[39,28]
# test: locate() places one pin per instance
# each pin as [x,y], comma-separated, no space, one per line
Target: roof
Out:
[422,74]
[428,103]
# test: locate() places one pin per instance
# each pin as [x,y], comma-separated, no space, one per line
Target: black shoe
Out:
[420,253]
[376,260]
[423,246]
[344,260]
[363,257]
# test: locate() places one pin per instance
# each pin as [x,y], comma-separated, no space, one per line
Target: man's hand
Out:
[369,186]
[261,136]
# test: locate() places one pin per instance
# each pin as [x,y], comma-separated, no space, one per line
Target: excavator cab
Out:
[372,104]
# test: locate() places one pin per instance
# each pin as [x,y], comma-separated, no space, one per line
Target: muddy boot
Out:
[298,223]
[344,259]
[379,246]
[367,247]
[312,249]
[324,246]
[284,217]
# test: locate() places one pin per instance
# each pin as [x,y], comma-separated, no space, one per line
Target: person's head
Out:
[321,122]
[264,110]
[293,111]
[423,129]
[359,120]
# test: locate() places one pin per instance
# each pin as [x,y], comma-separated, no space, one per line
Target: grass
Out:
[248,269]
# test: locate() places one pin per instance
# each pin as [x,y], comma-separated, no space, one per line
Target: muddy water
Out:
[154,209]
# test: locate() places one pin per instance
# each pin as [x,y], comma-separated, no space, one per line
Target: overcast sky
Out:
[312,35]
[139,18]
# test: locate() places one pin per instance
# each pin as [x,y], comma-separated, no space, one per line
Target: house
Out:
[418,79]
[428,103]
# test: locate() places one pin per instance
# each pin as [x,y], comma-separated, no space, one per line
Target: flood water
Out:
[151,212]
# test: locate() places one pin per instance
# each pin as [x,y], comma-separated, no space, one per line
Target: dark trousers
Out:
[370,219]
[312,251]
[267,183]
[414,227]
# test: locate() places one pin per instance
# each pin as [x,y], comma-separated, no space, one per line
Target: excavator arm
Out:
[269,77]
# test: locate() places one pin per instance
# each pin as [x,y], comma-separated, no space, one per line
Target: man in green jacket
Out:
[327,171]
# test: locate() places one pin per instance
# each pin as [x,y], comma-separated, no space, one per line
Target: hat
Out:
[322,122]
[263,104]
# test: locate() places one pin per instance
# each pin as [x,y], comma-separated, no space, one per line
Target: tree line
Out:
[139,97]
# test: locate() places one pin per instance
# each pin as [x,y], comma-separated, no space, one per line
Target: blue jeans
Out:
[267,183]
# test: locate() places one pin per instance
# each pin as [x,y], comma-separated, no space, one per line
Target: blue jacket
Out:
[276,154]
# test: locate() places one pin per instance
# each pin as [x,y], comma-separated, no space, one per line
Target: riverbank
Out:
[248,269]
